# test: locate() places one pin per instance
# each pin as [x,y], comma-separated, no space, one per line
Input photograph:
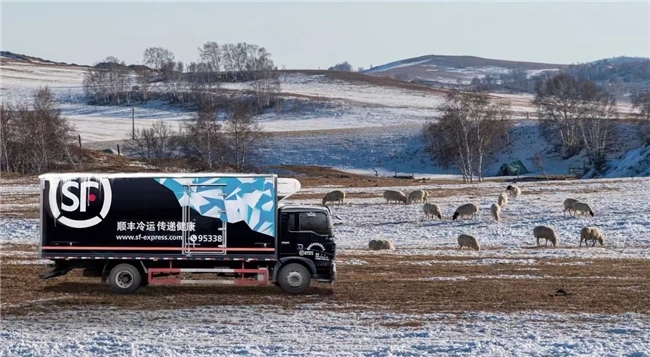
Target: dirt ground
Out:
[384,283]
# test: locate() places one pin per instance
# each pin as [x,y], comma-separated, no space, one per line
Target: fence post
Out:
[118,149]
[79,136]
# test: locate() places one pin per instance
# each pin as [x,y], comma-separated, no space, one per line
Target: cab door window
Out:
[314,222]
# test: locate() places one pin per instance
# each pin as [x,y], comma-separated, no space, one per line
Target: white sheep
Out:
[502,200]
[465,240]
[515,190]
[432,209]
[381,244]
[393,195]
[417,196]
[545,232]
[591,233]
[334,196]
[468,209]
[581,207]
[495,209]
[567,205]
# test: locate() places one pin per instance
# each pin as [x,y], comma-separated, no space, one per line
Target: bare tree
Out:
[244,136]
[175,83]
[253,64]
[469,130]
[641,102]
[107,82]
[157,57]
[203,140]
[580,113]
[235,58]
[597,122]
[210,54]
[558,105]
[265,82]
[142,77]
[35,137]
[156,144]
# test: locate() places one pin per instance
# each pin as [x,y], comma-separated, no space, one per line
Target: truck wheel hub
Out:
[294,278]
[124,279]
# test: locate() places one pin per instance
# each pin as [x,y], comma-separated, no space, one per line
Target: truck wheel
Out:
[294,278]
[125,279]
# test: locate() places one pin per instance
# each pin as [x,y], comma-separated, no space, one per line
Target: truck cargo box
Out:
[177,216]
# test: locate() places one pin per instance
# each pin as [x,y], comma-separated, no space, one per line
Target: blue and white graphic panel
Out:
[231,199]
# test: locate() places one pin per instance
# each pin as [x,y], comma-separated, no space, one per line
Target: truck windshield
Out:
[319,223]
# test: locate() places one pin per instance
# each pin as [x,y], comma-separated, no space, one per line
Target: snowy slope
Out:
[455,69]
[388,119]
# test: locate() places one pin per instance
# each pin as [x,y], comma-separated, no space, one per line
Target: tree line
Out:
[35,138]
[202,143]
[111,81]
[573,113]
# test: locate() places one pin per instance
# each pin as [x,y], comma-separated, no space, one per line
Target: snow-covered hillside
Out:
[327,120]
[457,69]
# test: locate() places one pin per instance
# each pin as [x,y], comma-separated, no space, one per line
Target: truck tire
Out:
[294,278]
[125,279]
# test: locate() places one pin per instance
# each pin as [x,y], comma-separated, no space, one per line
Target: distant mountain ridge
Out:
[621,75]
[32,59]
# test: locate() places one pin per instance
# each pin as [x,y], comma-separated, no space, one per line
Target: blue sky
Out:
[313,35]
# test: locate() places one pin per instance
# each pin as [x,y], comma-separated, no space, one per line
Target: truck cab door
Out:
[288,236]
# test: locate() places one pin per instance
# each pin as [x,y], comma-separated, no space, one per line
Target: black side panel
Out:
[143,218]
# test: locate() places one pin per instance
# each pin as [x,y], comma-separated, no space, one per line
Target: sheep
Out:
[567,205]
[545,232]
[334,196]
[515,190]
[417,196]
[432,209]
[465,240]
[468,209]
[591,233]
[502,201]
[581,207]
[495,209]
[381,244]
[397,196]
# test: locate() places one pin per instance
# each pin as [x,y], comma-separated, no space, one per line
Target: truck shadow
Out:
[99,289]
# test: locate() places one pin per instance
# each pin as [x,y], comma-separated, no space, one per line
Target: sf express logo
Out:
[72,202]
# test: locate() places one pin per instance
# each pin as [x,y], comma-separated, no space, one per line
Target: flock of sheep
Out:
[573,206]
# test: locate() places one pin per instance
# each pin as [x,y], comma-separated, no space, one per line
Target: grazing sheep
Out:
[381,244]
[545,232]
[581,207]
[417,196]
[567,205]
[591,233]
[502,201]
[495,209]
[432,209]
[397,196]
[468,209]
[515,190]
[334,196]
[465,240]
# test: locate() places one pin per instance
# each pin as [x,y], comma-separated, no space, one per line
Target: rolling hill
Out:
[456,69]
[357,122]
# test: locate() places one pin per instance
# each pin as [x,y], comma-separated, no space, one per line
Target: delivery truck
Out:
[132,230]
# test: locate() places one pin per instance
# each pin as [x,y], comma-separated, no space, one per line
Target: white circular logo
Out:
[193,237]
[322,248]
[79,203]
